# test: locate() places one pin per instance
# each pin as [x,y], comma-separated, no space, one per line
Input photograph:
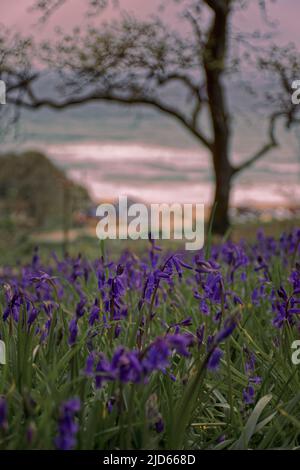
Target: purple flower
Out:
[200,334]
[127,366]
[3,413]
[94,315]
[255,380]
[45,330]
[207,267]
[110,404]
[35,258]
[229,326]
[180,342]
[104,371]
[118,330]
[159,426]
[72,405]
[30,432]
[41,279]
[14,304]
[204,307]
[249,391]
[89,366]
[250,362]
[73,331]
[209,343]
[32,316]
[101,279]
[248,395]
[80,308]
[285,308]
[186,322]
[179,264]
[157,356]
[214,359]
[67,427]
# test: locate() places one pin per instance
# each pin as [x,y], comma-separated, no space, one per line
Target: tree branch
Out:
[265,148]
[36,103]
[177,76]
[218,5]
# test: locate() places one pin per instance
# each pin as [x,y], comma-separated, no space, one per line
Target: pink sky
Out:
[14,13]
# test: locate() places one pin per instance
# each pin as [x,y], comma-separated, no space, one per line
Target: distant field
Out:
[21,248]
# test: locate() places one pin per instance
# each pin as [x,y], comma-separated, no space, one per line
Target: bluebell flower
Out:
[185,322]
[67,426]
[110,404]
[117,330]
[180,342]
[35,262]
[159,426]
[200,334]
[127,366]
[214,359]
[80,307]
[30,432]
[94,315]
[73,331]
[157,356]
[285,308]
[249,391]
[248,395]
[90,363]
[3,414]
[14,303]
[104,371]
[228,328]
[32,316]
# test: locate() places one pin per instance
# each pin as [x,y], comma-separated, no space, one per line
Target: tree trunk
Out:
[220,211]
[214,64]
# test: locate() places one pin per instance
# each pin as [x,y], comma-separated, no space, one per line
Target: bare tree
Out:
[134,62]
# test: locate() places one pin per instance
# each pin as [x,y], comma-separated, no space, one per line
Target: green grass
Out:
[200,410]
[18,247]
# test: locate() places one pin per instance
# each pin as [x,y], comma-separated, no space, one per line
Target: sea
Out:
[115,150]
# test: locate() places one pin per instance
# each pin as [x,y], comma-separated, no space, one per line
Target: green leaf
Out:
[251,425]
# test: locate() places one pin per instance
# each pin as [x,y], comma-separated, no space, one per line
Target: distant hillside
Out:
[34,192]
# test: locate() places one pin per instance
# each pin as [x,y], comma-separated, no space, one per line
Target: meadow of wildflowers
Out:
[160,351]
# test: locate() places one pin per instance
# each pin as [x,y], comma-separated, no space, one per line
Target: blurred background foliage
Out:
[35,193]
